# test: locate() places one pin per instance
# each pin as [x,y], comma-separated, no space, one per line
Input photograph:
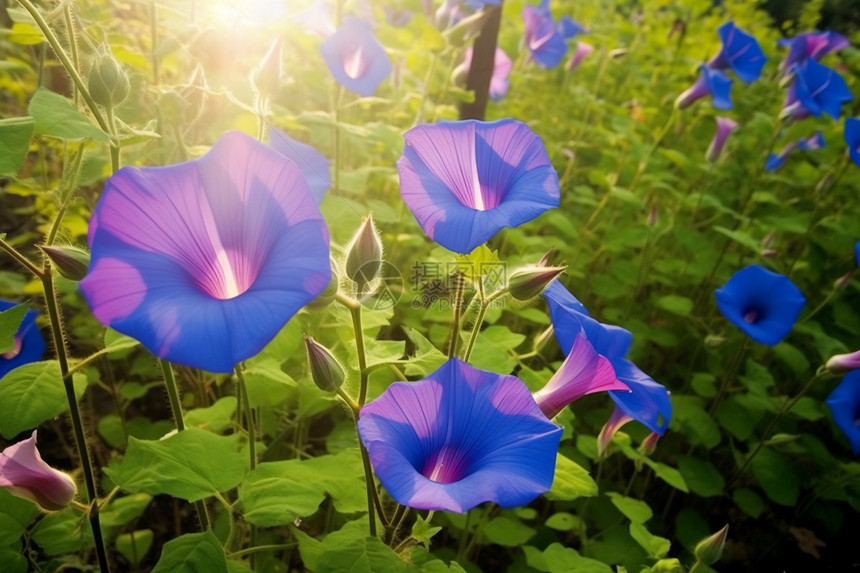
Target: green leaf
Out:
[676,304]
[563,521]
[560,559]
[423,532]
[190,465]
[25,34]
[116,341]
[508,532]
[10,322]
[192,553]
[15,515]
[65,531]
[736,419]
[123,510]
[635,510]
[793,357]
[668,474]
[216,418]
[749,502]
[571,481]
[267,384]
[701,476]
[32,394]
[776,476]
[690,418]
[13,560]
[133,546]
[366,555]
[656,546]
[15,134]
[56,116]
[427,357]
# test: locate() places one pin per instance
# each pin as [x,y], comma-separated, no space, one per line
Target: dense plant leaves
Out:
[776,476]
[15,515]
[15,134]
[701,476]
[637,511]
[63,531]
[134,546]
[13,560]
[508,532]
[56,116]
[347,549]
[191,465]
[192,553]
[123,510]
[571,481]
[10,322]
[32,394]
[216,418]
[655,545]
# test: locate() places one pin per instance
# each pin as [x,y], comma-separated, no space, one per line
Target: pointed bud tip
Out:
[71,262]
[326,371]
[710,549]
[364,255]
[528,282]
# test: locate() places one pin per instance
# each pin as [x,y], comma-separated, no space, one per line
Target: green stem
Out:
[425,90]
[114,149]
[53,311]
[70,184]
[73,44]
[476,328]
[458,310]
[728,378]
[336,157]
[22,260]
[153,33]
[261,548]
[695,567]
[252,444]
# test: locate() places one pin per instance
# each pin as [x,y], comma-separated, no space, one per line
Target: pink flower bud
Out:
[24,474]
[649,444]
[842,363]
[725,126]
[610,428]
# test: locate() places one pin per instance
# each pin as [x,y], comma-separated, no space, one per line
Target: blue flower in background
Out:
[466,180]
[29,345]
[313,164]
[355,58]
[776,160]
[711,82]
[646,401]
[740,52]
[761,303]
[205,261]
[844,403]
[808,45]
[458,438]
[816,89]
[852,138]
[543,38]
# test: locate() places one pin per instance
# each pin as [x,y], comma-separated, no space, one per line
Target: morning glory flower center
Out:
[16,349]
[751,316]
[228,276]
[353,65]
[445,465]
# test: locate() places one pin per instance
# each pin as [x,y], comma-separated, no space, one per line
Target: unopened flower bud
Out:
[842,281]
[779,439]
[617,53]
[544,260]
[768,239]
[24,474]
[108,83]
[843,363]
[267,77]
[649,444]
[326,371]
[710,549]
[71,262]
[528,282]
[653,216]
[609,429]
[714,340]
[769,253]
[364,255]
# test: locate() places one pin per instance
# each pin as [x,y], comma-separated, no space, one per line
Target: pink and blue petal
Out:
[313,164]
[355,57]
[844,403]
[740,52]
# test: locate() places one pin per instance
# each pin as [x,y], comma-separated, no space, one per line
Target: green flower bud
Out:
[364,256]
[71,262]
[108,83]
[710,549]
[528,282]
[267,77]
[326,371]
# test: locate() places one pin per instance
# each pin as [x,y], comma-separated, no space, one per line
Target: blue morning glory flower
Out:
[740,52]
[205,261]
[762,303]
[816,89]
[844,403]
[355,57]
[458,438]
[313,164]
[646,401]
[852,138]
[776,160]
[543,38]
[711,82]
[466,180]
[811,45]
[29,345]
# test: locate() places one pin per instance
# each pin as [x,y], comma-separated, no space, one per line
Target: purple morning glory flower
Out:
[313,164]
[205,261]
[466,180]
[816,89]
[711,82]
[458,438]
[761,303]
[852,138]
[740,52]
[646,401]
[776,160]
[725,126]
[543,38]
[844,403]
[811,45]
[579,54]
[501,69]
[24,474]
[29,345]
[355,58]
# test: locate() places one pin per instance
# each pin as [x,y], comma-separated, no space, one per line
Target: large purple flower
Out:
[816,89]
[355,57]
[710,82]
[844,403]
[762,303]
[852,138]
[466,180]
[29,345]
[205,261]
[646,400]
[740,52]
[460,437]
[312,163]
[544,39]
[811,45]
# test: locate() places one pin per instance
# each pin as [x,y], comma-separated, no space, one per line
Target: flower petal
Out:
[355,57]
[313,164]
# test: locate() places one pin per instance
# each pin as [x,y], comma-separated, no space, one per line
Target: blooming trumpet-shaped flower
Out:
[499,83]
[740,52]
[852,138]
[466,180]
[842,363]
[579,54]
[776,160]
[355,57]
[29,344]
[816,89]
[460,437]
[24,474]
[205,261]
[711,82]
[646,400]
[844,403]
[544,38]
[811,45]
[725,126]
[761,303]
[313,164]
